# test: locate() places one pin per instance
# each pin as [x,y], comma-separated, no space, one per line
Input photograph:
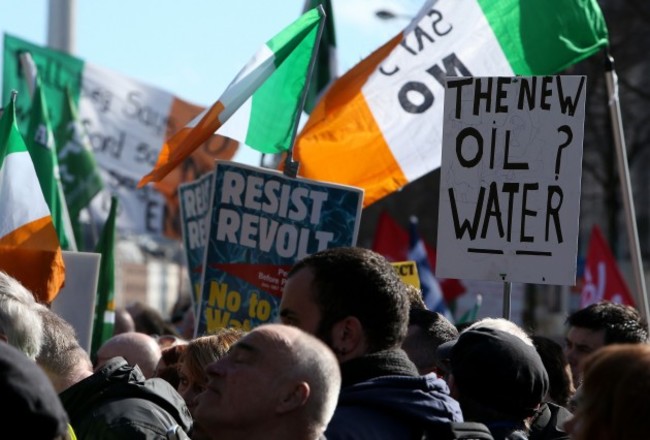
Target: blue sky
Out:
[194,48]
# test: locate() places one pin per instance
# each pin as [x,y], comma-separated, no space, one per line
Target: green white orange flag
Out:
[262,104]
[42,149]
[379,126]
[29,247]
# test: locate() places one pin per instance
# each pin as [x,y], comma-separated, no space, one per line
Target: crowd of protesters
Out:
[355,355]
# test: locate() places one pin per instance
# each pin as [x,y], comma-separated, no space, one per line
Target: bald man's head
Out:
[124,322]
[276,381]
[137,348]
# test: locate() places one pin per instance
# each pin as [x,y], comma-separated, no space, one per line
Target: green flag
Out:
[42,149]
[325,69]
[58,70]
[78,169]
[104,321]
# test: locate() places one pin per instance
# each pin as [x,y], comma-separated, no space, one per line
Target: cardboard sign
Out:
[510,179]
[261,223]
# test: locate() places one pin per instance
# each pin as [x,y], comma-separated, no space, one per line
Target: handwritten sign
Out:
[510,179]
[261,223]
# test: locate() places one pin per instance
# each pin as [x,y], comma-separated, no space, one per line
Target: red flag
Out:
[602,280]
[392,241]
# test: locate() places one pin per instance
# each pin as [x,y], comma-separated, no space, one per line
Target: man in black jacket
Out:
[116,402]
[353,300]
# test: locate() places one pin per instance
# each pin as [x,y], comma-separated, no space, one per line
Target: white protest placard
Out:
[510,179]
[76,301]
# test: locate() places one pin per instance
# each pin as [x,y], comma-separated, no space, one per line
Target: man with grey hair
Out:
[277,382]
[116,401]
[20,324]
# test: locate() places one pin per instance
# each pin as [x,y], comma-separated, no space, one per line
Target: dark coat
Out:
[383,397]
[117,403]
[549,423]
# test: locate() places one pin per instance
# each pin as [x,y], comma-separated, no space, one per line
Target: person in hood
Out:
[353,300]
[116,401]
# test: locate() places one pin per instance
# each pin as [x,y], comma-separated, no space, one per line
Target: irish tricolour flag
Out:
[261,104]
[379,127]
[29,247]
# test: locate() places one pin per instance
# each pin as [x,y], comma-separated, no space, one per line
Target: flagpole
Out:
[291,166]
[507,294]
[61,21]
[29,72]
[624,176]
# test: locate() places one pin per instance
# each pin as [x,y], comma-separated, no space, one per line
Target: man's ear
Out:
[348,339]
[4,337]
[294,398]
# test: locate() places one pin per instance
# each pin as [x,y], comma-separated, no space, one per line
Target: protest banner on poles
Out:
[510,179]
[261,223]
[126,122]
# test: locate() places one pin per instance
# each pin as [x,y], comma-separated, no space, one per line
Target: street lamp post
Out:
[61,25]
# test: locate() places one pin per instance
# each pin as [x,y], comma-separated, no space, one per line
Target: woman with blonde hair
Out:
[614,398]
[197,354]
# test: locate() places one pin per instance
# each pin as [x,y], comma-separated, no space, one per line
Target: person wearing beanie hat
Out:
[498,379]
[29,397]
